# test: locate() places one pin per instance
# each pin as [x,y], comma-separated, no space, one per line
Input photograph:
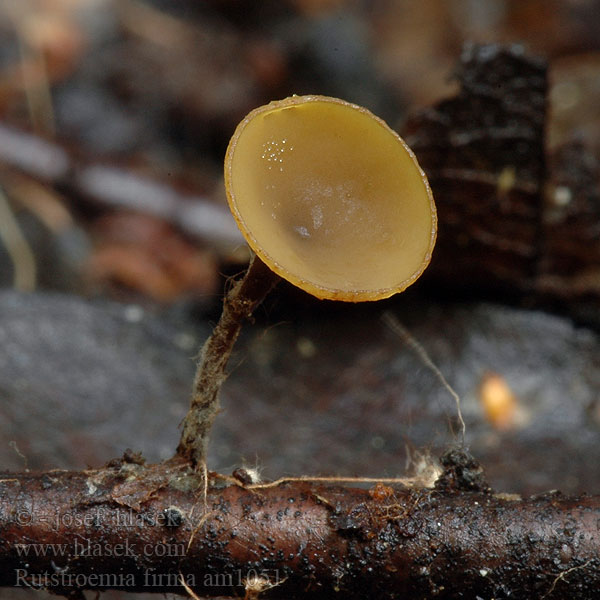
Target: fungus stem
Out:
[238,306]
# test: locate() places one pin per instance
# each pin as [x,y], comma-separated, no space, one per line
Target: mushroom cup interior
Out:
[330,198]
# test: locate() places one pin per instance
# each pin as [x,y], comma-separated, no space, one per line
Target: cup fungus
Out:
[329,198]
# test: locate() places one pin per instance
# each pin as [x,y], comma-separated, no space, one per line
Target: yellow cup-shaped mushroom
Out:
[330,198]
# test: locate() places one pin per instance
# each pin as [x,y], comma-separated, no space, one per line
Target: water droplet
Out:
[302,231]
[317,216]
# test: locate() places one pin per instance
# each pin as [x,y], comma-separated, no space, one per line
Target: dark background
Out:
[112,276]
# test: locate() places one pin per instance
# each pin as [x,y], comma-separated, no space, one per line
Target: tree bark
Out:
[147,528]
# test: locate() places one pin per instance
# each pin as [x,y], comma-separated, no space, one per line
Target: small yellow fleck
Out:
[306,347]
[498,401]
[506,180]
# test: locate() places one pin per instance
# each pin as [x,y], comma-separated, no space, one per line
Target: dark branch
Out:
[144,528]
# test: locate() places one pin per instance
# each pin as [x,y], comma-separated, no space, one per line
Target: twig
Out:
[17,247]
[313,539]
[114,186]
[404,481]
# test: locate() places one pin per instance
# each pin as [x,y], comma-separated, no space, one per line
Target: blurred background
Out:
[115,243]
[115,115]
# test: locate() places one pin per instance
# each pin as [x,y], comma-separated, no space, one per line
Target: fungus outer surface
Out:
[330,198]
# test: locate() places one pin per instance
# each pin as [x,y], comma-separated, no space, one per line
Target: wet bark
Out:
[513,218]
[147,528]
